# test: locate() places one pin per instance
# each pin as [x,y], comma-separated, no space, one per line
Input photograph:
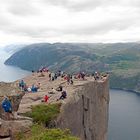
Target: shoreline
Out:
[129,90]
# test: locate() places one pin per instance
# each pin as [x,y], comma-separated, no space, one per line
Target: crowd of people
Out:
[24,87]
[7,106]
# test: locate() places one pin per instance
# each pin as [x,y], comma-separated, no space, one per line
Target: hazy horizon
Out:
[3,45]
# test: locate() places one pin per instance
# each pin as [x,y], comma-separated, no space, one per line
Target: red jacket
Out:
[46,98]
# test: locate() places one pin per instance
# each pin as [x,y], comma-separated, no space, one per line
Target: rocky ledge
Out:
[84,111]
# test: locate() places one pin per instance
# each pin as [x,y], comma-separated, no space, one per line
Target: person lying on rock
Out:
[60,88]
[7,107]
[53,91]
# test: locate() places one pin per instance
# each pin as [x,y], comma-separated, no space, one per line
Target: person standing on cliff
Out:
[7,107]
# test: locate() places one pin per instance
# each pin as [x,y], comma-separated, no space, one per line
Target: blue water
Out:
[10,73]
[124,115]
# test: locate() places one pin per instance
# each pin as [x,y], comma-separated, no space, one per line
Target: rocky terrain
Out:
[88,100]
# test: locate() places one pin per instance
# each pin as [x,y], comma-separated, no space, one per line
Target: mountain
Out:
[70,57]
[12,48]
[122,60]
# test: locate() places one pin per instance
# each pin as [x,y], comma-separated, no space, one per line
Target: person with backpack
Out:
[7,107]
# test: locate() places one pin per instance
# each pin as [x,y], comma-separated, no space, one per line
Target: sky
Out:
[69,21]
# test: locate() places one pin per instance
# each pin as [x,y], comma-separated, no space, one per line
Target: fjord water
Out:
[124,111]
[124,115]
[10,73]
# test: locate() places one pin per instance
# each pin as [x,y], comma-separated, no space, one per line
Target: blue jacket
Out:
[6,105]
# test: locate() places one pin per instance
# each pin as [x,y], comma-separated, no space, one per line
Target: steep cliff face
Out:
[86,113]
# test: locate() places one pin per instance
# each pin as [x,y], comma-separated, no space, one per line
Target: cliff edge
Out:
[84,112]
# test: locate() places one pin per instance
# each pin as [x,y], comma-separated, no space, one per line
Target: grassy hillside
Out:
[121,59]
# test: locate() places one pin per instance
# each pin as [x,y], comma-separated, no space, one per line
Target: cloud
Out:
[87,5]
[101,28]
[22,7]
[69,20]
[75,5]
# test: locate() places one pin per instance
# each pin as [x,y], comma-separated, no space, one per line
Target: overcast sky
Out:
[69,21]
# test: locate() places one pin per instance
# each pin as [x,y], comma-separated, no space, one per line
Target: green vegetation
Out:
[128,82]
[43,114]
[39,132]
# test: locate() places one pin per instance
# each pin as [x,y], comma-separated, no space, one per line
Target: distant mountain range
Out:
[122,60]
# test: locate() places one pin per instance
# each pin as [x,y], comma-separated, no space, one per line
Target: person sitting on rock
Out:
[7,107]
[45,99]
[34,88]
[71,81]
[41,74]
[25,88]
[55,76]
[83,75]
[63,95]
[33,72]
[96,76]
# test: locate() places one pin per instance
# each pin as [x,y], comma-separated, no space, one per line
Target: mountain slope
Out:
[122,60]
[55,56]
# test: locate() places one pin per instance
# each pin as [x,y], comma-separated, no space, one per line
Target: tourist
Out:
[34,88]
[33,72]
[71,81]
[60,88]
[83,75]
[53,91]
[45,99]
[63,95]
[50,76]
[22,84]
[96,75]
[7,107]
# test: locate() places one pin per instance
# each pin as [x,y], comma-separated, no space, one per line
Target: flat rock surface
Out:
[30,99]
[9,89]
